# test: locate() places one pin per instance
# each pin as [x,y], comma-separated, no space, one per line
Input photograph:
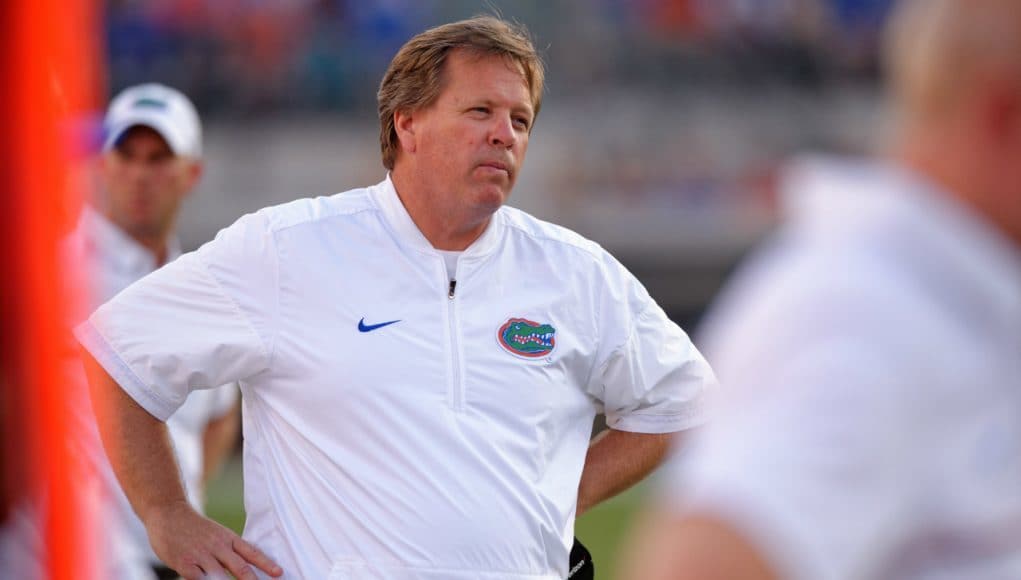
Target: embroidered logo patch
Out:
[522,337]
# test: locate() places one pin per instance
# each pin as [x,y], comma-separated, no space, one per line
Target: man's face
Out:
[471,143]
[145,183]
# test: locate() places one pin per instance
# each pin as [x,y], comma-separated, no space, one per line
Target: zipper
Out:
[457,389]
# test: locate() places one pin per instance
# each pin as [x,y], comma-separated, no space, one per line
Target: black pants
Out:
[581,567]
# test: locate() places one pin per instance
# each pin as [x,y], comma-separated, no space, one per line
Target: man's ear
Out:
[404,125]
[195,171]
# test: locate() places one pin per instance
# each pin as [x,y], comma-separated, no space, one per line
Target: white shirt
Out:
[393,430]
[450,261]
[870,421]
[115,260]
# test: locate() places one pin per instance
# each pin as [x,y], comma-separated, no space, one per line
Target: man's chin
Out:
[490,199]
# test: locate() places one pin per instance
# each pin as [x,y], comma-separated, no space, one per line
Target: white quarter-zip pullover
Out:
[398,424]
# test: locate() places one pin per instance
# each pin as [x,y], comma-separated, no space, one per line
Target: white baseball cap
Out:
[161,108]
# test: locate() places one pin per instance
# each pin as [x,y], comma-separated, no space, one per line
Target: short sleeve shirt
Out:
[394,426]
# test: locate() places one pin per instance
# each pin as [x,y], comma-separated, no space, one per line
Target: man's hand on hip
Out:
[197,547]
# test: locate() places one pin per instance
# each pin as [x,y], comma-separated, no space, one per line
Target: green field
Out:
[601,530]
[223,497]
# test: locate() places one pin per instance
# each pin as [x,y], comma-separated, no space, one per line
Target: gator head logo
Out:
[526,338]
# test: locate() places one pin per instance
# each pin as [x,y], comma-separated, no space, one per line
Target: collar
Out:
[384,195]
[115,245]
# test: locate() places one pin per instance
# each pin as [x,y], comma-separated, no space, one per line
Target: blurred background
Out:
[664,128]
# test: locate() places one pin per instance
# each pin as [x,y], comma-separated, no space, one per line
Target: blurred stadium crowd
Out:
[256,55]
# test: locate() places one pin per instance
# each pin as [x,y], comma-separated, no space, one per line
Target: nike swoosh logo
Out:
[362,327]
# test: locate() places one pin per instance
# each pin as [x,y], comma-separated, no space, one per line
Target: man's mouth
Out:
[496,165]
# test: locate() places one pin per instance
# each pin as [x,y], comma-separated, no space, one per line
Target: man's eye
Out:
[522,122]
[483,110]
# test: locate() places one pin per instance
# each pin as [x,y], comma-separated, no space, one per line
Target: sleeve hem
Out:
[94,342]
[655,424]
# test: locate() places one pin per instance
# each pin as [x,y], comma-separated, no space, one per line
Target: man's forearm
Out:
[616,460]
[137,444]
[139,448]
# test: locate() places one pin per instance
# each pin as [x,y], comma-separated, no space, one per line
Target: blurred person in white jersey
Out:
[420,364]
[151,162]
[869,422]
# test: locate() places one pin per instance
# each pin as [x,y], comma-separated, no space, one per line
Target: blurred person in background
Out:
[151,161]
[870,421]
[421,366]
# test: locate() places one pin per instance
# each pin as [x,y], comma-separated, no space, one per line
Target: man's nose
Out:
[138,170]
[502,132]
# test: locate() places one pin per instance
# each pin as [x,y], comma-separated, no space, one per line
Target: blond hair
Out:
[415,77]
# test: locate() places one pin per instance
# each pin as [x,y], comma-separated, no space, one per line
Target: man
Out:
[871,426]
[420,365]
[151,162]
